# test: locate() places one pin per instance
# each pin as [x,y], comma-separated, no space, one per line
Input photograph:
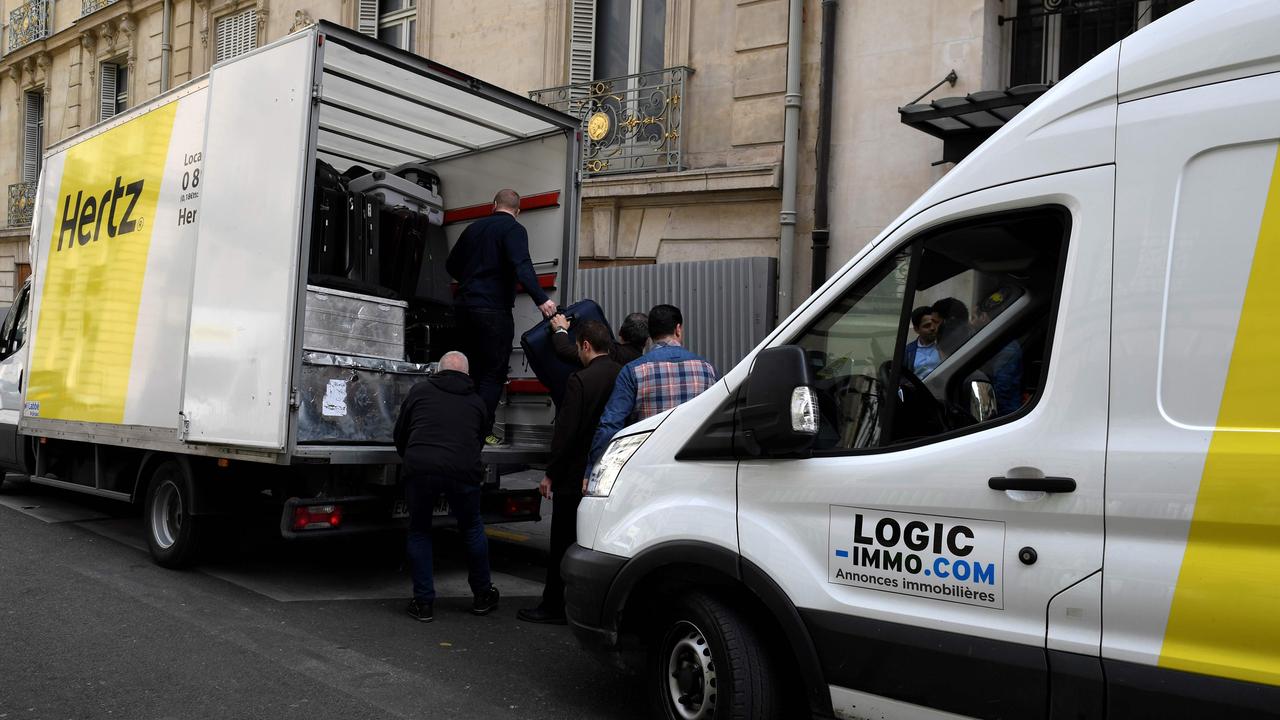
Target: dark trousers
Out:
[464,505]
[564,533]
[487,334]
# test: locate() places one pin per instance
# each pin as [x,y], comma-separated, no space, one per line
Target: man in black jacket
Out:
[584,399]
[440,433]
[633,335]
[489,258]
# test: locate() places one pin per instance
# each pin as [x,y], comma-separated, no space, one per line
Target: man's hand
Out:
[584,485]
[548,308]
[544,487]
[559,322]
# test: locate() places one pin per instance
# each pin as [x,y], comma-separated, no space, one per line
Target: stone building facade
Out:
[695,174]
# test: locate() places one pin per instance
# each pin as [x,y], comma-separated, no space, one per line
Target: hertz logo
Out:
[84,222]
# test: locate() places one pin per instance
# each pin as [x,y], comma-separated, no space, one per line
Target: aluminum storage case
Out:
[346,399]
[396,192]
[348,323]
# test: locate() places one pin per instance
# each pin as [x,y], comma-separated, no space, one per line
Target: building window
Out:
[1051,38]
[630,37]
[32,135]
[113,96]
[236,35]
[398,22]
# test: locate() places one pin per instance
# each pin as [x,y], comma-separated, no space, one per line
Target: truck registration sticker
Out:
[335,399]
[32,409]
[931,556]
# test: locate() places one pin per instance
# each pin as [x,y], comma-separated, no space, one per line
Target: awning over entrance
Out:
[964,122]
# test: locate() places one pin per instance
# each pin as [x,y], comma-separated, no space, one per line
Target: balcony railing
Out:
[22,200]
[88,7]
[630,124]
[28,23]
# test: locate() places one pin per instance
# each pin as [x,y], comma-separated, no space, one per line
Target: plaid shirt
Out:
[666,376]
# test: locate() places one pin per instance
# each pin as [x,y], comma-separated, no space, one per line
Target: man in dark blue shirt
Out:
[487,261]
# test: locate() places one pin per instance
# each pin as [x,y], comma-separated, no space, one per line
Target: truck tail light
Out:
[317,517]
[514,506]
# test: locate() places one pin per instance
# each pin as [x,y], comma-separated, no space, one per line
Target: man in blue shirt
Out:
[922,355]
[489,258]
[666,376]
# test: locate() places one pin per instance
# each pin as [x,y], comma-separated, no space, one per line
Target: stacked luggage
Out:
[377,287]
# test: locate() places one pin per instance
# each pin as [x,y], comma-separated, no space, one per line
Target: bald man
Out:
[440,433]
[489,258]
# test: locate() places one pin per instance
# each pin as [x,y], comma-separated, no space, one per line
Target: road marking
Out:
[505,535]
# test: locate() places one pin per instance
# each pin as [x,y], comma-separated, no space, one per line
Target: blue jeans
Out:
[464,505]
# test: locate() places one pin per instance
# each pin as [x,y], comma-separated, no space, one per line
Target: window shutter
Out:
[236,35]
[582,45]
[33,123]
[367,17]
[107,91]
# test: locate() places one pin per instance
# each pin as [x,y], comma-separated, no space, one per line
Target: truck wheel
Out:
[709,664]
[171,528]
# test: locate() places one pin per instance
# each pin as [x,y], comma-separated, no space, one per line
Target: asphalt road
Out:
[91,628]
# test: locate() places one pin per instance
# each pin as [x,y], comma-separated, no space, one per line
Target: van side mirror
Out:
[982,400]
[779,411]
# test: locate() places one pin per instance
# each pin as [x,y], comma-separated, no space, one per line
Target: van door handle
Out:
[1044,484]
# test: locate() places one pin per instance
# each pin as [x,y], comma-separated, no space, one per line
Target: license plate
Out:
[401,508]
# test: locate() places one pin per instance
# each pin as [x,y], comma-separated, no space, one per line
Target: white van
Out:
[1075,514]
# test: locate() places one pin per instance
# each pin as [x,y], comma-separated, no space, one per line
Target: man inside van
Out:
[584,397]
[666,376]
[1005,369]
[490,257]
[922,355]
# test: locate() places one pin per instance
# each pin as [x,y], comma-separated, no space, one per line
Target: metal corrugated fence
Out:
[728,305]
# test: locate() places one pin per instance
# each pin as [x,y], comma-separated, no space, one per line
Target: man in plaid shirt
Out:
[659,380]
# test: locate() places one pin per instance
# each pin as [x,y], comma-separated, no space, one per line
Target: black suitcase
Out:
[328,254]
[541,355]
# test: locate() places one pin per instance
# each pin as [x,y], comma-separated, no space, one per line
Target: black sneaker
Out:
[420,610]
[486,602]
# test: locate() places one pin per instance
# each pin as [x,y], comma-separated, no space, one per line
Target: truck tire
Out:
[172,531]
[709,664]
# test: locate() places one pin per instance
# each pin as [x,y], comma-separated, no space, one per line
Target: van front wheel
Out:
[171,528]
[709,664]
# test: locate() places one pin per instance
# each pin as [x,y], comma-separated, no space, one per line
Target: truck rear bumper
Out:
[370,514]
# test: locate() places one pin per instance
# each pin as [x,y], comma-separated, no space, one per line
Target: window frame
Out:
[406,18]
[915,243]
[120,104]
[635,40]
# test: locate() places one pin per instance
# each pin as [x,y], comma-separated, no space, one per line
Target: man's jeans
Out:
[464,505]
[487,334]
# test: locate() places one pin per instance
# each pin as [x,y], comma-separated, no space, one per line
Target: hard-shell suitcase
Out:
[541,355]
[329,245]
[419,192]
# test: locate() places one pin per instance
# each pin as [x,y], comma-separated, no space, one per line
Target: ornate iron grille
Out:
[1051,38]
[22,200]
[28,23]
[629,124]
[88,7]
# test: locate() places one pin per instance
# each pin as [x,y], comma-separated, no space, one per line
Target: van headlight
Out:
[615,456]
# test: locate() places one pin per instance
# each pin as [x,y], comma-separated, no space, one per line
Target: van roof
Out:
[1072,126]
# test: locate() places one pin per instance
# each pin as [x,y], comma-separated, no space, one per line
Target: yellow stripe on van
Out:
[1225,616]
[97,257]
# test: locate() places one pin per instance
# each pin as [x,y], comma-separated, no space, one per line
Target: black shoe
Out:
[420,610]
[541,615]
[486,602]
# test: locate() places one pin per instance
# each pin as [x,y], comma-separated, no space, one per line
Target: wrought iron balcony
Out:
[88,7]
[630,124]
[28,23]
[22,200]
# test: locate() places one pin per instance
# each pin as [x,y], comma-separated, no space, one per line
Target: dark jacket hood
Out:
[452,381]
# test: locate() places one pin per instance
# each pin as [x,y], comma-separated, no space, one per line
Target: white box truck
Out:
[199,335]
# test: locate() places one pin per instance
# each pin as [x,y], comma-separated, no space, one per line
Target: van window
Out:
[982,294]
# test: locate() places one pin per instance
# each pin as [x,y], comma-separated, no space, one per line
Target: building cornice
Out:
[702,180]
[117,12]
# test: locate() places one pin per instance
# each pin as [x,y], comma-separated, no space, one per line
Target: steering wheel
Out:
[917,406]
